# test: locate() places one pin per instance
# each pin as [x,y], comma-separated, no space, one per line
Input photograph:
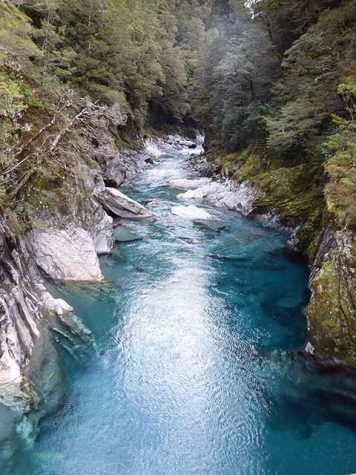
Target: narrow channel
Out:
[195,369]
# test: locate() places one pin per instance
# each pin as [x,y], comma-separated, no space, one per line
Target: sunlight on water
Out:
[193,373]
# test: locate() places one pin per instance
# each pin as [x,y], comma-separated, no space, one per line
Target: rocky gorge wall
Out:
[70,227]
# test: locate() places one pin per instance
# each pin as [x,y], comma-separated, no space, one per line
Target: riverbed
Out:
[194,368]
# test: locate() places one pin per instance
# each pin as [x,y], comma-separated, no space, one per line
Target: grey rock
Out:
[30,376]
[117,165]
[121,205]
[93,180]
[101,231]
[66,254]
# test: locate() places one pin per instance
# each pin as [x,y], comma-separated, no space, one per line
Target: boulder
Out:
[101,232]
[120,205]
[66,254]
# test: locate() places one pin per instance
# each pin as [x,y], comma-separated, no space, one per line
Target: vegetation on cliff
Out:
[61,62]
[277,90]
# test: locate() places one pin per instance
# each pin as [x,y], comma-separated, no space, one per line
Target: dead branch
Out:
[40,132]
[27,176]
[67,127]
[22,183]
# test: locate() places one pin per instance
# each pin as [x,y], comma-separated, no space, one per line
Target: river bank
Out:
[280,196]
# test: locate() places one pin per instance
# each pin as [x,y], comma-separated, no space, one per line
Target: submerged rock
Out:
[211,224]
[278,197]
[66,254]
[121,205]
[122,234]
[30,376]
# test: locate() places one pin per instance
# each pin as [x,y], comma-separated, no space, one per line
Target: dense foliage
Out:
[276,94]
[272,77]
[59,56]
[139,53]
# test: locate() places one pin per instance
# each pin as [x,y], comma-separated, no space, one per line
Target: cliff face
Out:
[332,308]
[31,321]
[60,221]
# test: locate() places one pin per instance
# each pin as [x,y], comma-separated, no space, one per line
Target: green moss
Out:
[289,190]
[251,167]
[15,33]
[331,311]
[16,99]
[15,95]
[340,191]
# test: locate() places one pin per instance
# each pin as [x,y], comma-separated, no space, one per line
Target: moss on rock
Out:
[332,308]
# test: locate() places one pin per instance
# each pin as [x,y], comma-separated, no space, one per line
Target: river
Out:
[194,370]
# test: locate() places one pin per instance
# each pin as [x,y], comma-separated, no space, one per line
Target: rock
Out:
[86,212]
[190,184]
[102,233]
[117,165]
[121,205]
[66,254]
[113,173]
[31,382]
[93,179]
[332,309]
[191,212]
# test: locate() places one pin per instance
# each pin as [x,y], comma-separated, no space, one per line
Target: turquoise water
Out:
[194,371]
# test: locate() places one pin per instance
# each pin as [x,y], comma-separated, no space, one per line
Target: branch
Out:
[22,183]
[67,127]
[40,132]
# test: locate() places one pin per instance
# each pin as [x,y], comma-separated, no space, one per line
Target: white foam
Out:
[191,212]
[234,196]
[186,184]
[153,148]
[192,194]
